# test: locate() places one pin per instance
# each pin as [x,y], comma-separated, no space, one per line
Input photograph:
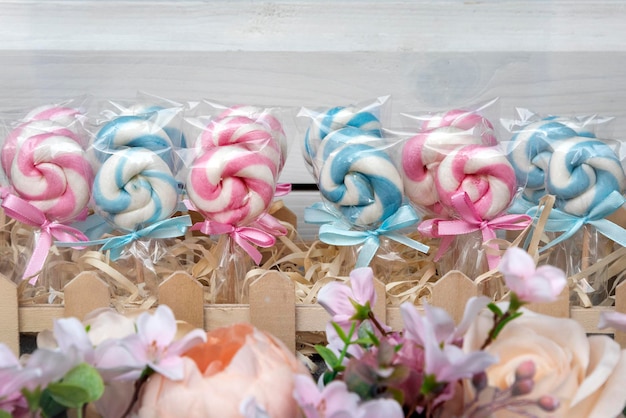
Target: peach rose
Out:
[586,374]
[235,364]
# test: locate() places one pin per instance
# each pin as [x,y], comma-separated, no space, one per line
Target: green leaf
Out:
[49,406]
[32,398]
[501,324]
[4,414]
[328,356]
[340,332]
[495,309]
[88,379]
[69,395]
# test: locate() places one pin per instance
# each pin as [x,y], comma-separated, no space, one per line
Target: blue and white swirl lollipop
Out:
[531,148]
[334,119]
[357,175]
[140,127]
[134,188]
[582,173]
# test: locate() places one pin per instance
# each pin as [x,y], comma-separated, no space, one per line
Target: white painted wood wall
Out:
[557,57]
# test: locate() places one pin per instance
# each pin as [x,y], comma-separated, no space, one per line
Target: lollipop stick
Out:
[584,263]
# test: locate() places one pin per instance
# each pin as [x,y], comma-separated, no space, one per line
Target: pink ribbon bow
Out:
[28,214]
[470,221]
[244,236]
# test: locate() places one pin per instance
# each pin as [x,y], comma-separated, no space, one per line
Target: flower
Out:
[153,346]
[335,401]
[587,375]
[616,320]
[12,379]
[444,362]
[530,284]
[235,363]
[339,299]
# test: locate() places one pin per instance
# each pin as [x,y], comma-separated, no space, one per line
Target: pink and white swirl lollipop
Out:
[466,120]
[244,132]
[483,173]
[47,166]
[421,156]
[231,184]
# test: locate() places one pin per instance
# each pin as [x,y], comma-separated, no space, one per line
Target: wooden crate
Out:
[271,308]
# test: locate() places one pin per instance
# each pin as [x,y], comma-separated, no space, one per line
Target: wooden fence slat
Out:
[9,324]
[558,308]
[185,296]
[380,307]
[620,306]
[273,308]
[85,293]
[451,293]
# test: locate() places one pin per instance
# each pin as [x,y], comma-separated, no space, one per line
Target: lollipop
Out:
[531,148]
[135,188]
[135,131]
[470,122]
[47,166]
[335,119]
[421,156]
[483,173]
[245,132]
[231,184]
[358,176]
[582,172]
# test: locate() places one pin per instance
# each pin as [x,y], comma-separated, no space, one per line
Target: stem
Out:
[138,384]
[377,324]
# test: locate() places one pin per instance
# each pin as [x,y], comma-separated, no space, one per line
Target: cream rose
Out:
[586,374]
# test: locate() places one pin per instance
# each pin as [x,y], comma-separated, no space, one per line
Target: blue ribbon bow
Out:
[334,231]
[167,228]
[560,221]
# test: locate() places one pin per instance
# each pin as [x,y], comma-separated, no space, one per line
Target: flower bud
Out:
[548,403]
[526,370]
[479,381]
[522,387]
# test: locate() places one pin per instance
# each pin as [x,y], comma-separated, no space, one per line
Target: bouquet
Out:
[501,360]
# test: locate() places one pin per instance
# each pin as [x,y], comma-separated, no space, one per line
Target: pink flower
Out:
[153,346]
[337,298]
[335,401]
[615,320]
[12,379]
[221,376]
[435,331]
[530,284]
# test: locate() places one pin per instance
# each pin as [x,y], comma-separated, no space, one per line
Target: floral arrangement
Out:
[501,360]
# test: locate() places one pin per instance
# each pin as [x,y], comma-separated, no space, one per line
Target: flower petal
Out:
[159,327]
[616,320]
[335,298]
[362,283]
[516,264]
[472,308]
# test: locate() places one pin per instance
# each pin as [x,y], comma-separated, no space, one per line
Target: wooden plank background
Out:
[557,57]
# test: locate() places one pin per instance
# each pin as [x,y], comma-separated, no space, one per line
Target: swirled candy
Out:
[531,148]
[421,156]
[134,188]
[46,164]
[231,184]
[358,176]
[144,129]
[334,119]
[469,121]
[483,173]
[582,172]
[264,135]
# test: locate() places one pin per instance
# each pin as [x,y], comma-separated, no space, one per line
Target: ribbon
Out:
[282,189]
[559,221]
[24,212]
[318,214]
[167,228]
[244,236]
[339,233]
[470,221]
